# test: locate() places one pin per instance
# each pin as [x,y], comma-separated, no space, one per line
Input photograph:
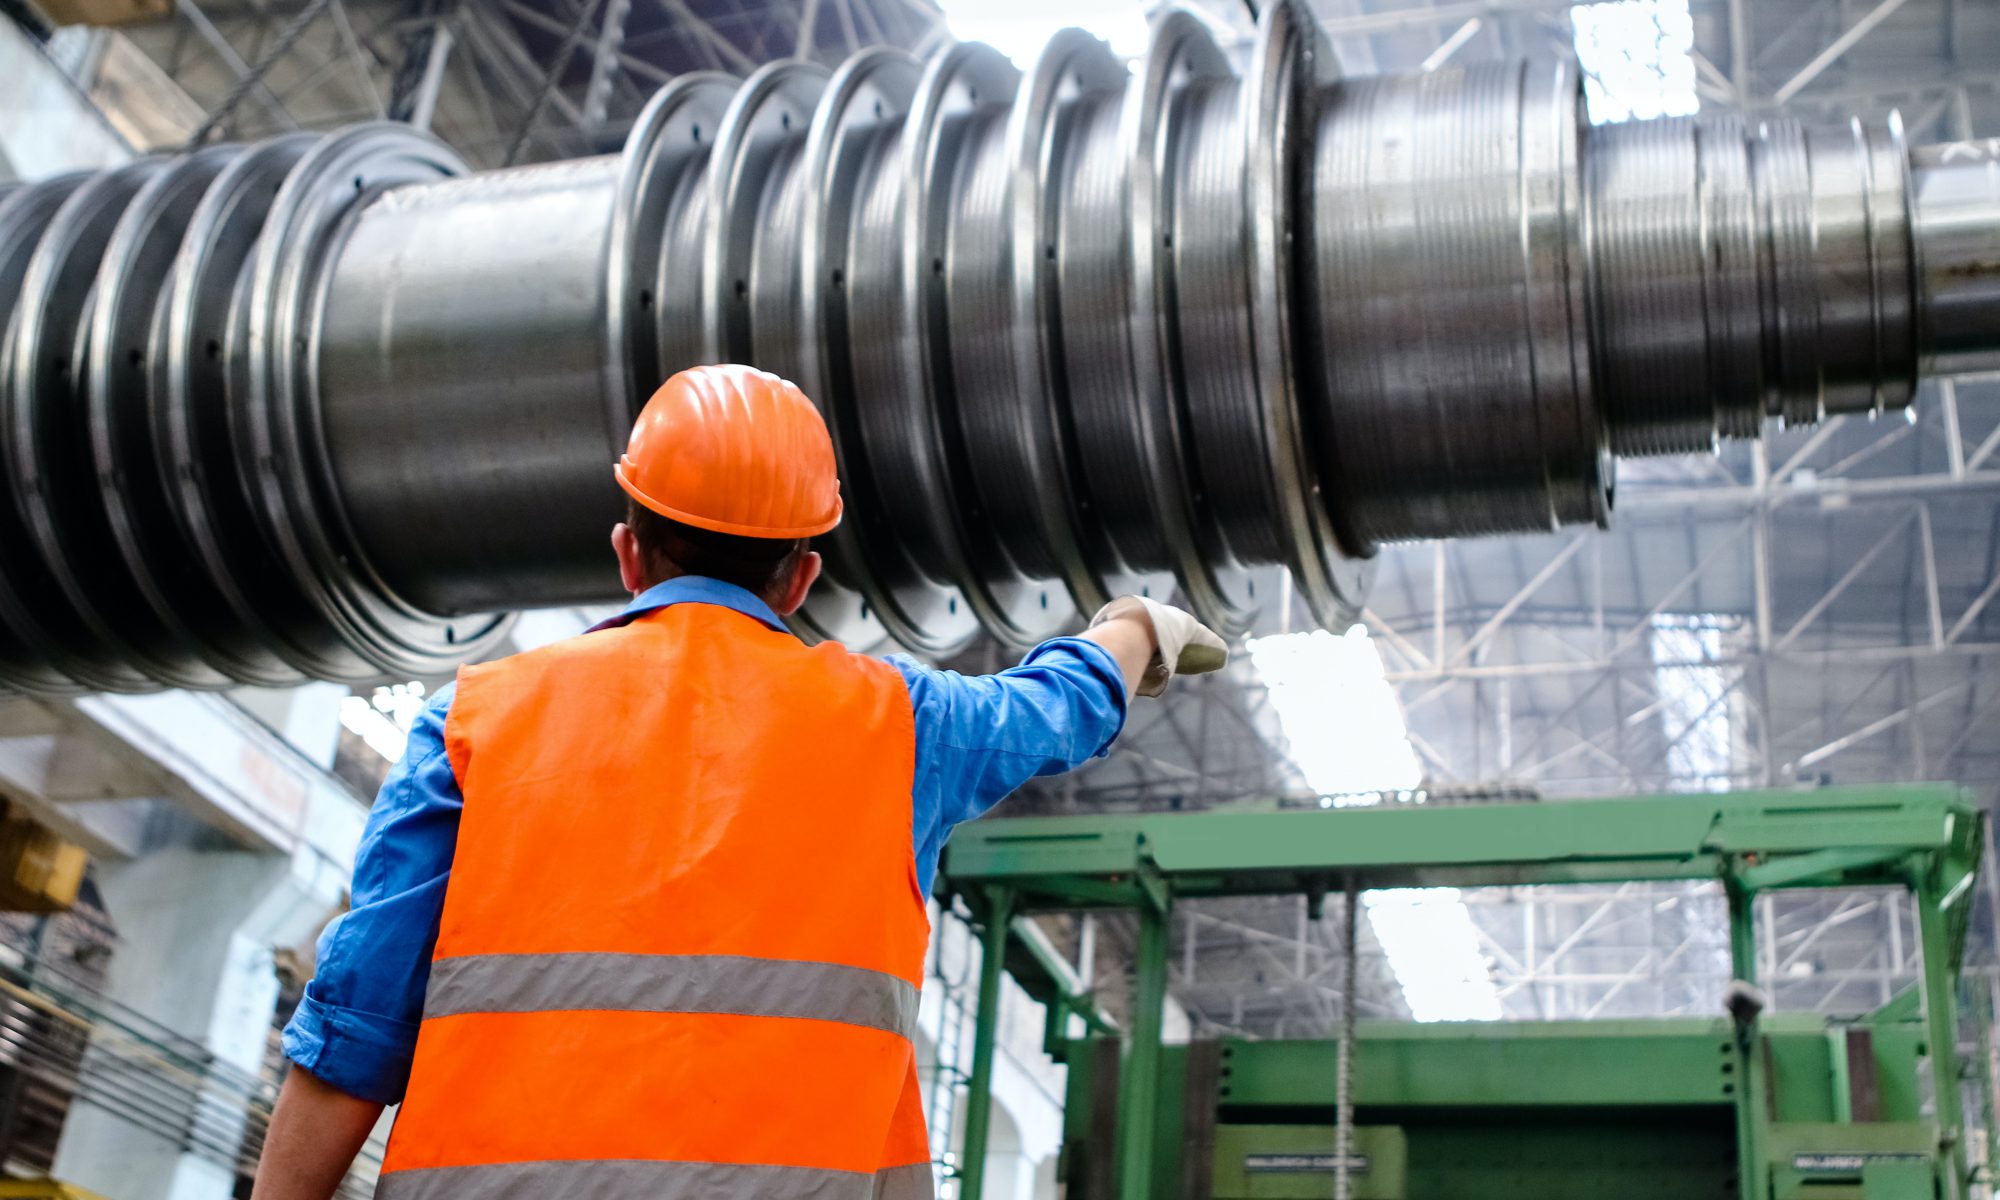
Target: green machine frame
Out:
[1810,1107]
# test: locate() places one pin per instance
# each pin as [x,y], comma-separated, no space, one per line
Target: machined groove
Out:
[322,407]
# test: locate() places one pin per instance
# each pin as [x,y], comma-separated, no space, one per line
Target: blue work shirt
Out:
[977,739]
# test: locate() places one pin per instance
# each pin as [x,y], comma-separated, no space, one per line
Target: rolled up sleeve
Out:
[356,1027]
[979,737]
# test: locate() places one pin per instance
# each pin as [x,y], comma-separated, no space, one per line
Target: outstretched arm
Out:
[1131,643]
[1153,642]
[980,737]
[316,1131]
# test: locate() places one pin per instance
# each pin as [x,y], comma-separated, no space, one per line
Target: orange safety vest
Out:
[682,943]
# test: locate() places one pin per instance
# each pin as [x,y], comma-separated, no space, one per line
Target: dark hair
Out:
[670,548]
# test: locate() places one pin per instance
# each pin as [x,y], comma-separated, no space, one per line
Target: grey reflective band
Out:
[905,1183]
[626,1179]
[672,983]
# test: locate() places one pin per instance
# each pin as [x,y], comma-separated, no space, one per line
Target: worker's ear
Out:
[631,563]
[804,575]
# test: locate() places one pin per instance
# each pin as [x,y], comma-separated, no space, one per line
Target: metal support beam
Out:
[1940,983]
[1749,1060]
[205,28]
[694,24]
[419,80]
[1453,44]
[806,44]
[1139,1074]
[1841,45]
[993,929]
[604,62]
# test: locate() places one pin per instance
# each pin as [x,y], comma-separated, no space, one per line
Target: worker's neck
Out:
[655,579]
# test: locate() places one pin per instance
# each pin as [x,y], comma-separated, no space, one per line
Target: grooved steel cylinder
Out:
[321,407]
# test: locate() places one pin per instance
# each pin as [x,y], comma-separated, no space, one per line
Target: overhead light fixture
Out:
[1346,734]
[1020,28]
[383,718]
[1637,58]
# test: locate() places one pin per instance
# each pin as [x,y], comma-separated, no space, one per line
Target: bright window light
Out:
[1694,699]
[1434,951]
[1346,734]
[1638,59]
[1339,715]
[383,719]
[1020,28]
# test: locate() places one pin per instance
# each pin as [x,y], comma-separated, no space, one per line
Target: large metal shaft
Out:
[319,407]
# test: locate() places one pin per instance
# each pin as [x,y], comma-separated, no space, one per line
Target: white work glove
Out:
[1187,647]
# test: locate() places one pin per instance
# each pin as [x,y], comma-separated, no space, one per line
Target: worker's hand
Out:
[1185,645]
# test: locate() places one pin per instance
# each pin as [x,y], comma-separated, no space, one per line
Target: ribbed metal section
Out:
[1211,272]
[1650,270]
[1447,251]
[1738,273]
[317,408]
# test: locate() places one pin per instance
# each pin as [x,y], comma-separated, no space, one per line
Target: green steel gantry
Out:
[1927,838]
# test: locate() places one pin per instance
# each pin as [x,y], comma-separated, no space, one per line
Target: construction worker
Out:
[641,915]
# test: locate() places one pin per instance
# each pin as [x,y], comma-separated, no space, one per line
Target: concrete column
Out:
[197,931]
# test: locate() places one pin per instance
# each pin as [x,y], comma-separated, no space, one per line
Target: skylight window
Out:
[1346,734]
[1694,699]
[1020,28]
[383,719]
[1638,59]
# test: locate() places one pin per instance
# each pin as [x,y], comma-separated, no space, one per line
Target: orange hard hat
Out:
[735,450]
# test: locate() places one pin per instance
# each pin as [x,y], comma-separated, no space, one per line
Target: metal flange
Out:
[1290,60]
[171,608]
[1182,53]
[866,96]
[283,455]
[52,512]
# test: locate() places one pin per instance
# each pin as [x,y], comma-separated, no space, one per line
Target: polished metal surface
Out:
[1448,251]
[472,404]
[322,407]
[1772,265]
[1957,189]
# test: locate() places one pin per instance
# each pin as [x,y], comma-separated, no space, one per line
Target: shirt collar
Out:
[693,589]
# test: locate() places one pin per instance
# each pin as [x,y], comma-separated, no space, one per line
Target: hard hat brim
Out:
[714,526]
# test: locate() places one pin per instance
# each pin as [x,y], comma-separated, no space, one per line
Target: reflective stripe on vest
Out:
[672,983]
[682,939]
[631,1180]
